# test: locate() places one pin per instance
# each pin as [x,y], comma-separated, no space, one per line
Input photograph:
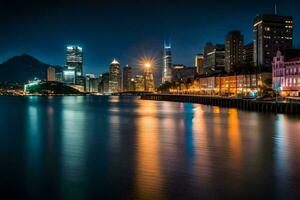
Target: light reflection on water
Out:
[118,147]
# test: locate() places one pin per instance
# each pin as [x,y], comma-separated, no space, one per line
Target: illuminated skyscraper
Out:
[75,61]
[127,70]
[214,58]
[104,83]
[148,78]
[234,47]
[167,68]
[114,77]
[139,83]
[199,63]
[270,34]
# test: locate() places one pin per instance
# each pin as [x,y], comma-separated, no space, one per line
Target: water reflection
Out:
[79,147]
[73,151]
[148,173]
[202,160]
[234,139]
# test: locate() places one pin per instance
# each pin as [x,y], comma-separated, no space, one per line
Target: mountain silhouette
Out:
[20,69]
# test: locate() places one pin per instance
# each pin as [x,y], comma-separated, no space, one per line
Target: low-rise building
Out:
[286,75]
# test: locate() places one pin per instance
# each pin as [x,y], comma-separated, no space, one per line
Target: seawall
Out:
[242,104]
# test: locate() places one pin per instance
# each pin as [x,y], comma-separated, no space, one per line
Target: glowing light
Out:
[147,62]
[148,65]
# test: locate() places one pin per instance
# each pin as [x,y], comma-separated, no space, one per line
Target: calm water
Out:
[126,148]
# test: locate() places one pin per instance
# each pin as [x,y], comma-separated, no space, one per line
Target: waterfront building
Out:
[69,76]
[286,75]
[51,76]
[148,78]
[74,61]
[234,46]
[114,77]
[127,75]
[167,67]
[132,85]
[248,54]
[270,34]
[91,83]
[214,58]
[199,63]
[104,83]
[59,76]
[227,85]
[139,83]
[182,74]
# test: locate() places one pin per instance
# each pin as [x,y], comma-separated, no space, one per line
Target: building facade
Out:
[104,83]
[148,79]
[167,66]
[91,83]
[199,62]
[127,75]
[214,58]
[286,75]
[248,54]
[74,61]
[114,77]
[227,85]
[270,34]
[69,76]
[234,46]
[139,83]
[51,76]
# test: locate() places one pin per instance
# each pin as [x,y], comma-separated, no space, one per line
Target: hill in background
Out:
[20,69]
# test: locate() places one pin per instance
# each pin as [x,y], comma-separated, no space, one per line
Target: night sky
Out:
[124,29]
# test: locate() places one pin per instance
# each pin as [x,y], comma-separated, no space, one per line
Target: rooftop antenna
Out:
[276,10]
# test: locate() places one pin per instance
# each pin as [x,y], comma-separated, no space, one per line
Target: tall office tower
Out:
[199,63]
[51,74]
[270,34]
[127,73]
[89,82]
[234,46]
[248,54]
[114,77]
[167,68]
[104,83]
[75,59]
[214,58]
[139,83]
[148,79]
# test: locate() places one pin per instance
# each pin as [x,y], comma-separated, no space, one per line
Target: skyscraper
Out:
[104,83]
[127,73]
[234,46]
[114,77]
[199,63]
[75,59]
[214,58]
[139,83]
[248,54]
[75,62]
[270,34]
[148,78]
[167,68]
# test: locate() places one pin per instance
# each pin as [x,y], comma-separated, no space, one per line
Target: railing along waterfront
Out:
[229,102]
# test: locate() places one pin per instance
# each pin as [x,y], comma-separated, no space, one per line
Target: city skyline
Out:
[185,44]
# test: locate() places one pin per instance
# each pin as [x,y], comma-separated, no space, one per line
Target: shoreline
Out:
[227,102]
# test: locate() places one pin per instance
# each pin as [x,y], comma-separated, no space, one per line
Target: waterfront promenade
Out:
[231,102]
